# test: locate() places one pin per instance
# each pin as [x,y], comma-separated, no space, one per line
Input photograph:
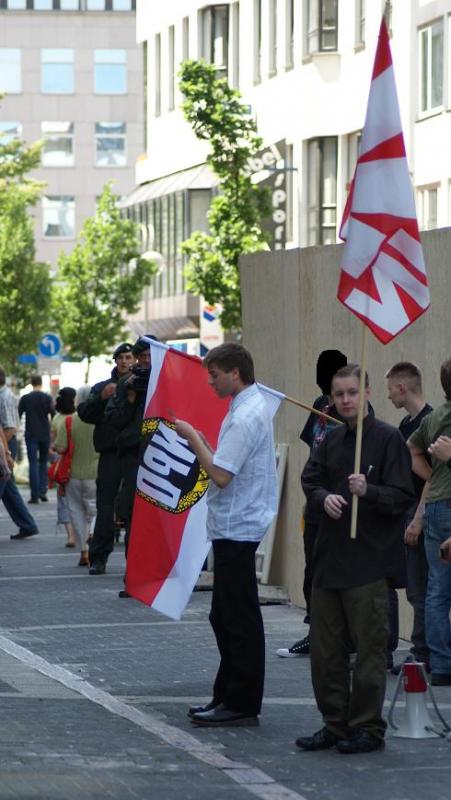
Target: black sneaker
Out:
[300,648]
[321,740]
[97,568]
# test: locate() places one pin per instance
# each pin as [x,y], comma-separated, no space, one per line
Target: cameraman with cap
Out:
[125,412]
[108,474]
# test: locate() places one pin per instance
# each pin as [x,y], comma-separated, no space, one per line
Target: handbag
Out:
[59,471]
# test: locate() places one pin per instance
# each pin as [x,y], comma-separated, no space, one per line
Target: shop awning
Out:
[200,177]
[167,328]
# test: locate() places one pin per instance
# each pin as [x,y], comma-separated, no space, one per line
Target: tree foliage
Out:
[217,115]
[100,281]
[24,282]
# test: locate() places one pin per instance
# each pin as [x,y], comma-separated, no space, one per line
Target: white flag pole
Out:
[359,430]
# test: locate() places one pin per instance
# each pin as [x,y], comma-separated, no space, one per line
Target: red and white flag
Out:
[383,276]
[168,539]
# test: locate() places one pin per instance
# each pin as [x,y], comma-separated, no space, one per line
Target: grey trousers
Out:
[81,502]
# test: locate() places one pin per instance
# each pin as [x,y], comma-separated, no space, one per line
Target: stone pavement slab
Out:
[56,743]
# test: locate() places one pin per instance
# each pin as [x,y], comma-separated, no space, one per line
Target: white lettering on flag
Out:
[166,453]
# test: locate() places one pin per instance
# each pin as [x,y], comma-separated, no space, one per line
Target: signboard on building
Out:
[211,333]
[269,169]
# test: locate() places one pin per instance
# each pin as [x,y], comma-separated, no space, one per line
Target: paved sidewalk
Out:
[94,692]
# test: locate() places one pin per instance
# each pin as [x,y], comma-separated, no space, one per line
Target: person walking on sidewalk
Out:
[108,481]
[405,390]
[38,409]
[11,497]
[80,491]
[349,597]
[242,501]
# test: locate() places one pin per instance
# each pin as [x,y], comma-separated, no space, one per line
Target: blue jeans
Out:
[437,528]
[38,453]
[13,502]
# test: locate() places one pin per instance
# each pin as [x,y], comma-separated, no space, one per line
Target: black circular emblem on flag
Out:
[169,474]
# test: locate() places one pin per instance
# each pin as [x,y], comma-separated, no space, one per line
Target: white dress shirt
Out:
[243,510]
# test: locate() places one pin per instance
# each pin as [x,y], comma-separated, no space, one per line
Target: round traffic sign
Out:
[49,345]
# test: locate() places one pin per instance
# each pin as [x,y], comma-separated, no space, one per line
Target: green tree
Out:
[217,115]
[24,282]
[100,281]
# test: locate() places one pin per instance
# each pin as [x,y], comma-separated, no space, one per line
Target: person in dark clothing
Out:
[405,391]
[313,433]
[38,409]
[108,475]
[349,597]
[125,411]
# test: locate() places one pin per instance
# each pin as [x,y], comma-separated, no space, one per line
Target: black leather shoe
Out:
[97,568]
[44,498]
[321,740]
[123,593]
[23,534]
[441,679]
[200,709]
[33,501]
[360,741]
[222,716]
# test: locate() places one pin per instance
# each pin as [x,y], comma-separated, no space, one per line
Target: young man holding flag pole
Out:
[383,282]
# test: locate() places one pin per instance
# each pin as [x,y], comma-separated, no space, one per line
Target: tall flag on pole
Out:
[168,540]
[383,275]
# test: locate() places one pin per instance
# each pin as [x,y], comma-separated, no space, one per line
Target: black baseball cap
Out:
[142,344]
[125,347]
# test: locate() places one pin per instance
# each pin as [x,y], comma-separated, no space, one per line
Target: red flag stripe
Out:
[383,58]
[391,148]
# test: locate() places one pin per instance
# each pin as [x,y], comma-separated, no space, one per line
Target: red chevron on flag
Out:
[383,275]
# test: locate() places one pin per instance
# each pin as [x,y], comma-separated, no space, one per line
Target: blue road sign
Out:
[50,345]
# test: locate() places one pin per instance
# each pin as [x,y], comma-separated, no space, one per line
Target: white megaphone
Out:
[417,722]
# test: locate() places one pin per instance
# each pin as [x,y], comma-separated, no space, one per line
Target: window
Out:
[110,72]
[322,190]
[43,5]
[17,4]
[157,74]
[360,23]
[58,215]
[272,10]
[353,151]
[69,5]
[289,34]
[171,68]
[10,131]
[95,5]
[215,37]
[10,70]
[431,66]
[185,38]
[257,41]
[110,144]
[57,71]
[322,25]
[122,5]
[235,18]
[427,208]
[58,150]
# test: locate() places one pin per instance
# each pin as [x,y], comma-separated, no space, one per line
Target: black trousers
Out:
[129,462]
[238,626]
[108,482]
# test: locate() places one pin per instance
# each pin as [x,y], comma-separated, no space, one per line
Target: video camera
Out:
[141,378]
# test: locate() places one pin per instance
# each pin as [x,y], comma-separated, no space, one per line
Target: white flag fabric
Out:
[383,276]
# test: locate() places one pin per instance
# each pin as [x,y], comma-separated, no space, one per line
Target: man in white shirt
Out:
[242,501]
